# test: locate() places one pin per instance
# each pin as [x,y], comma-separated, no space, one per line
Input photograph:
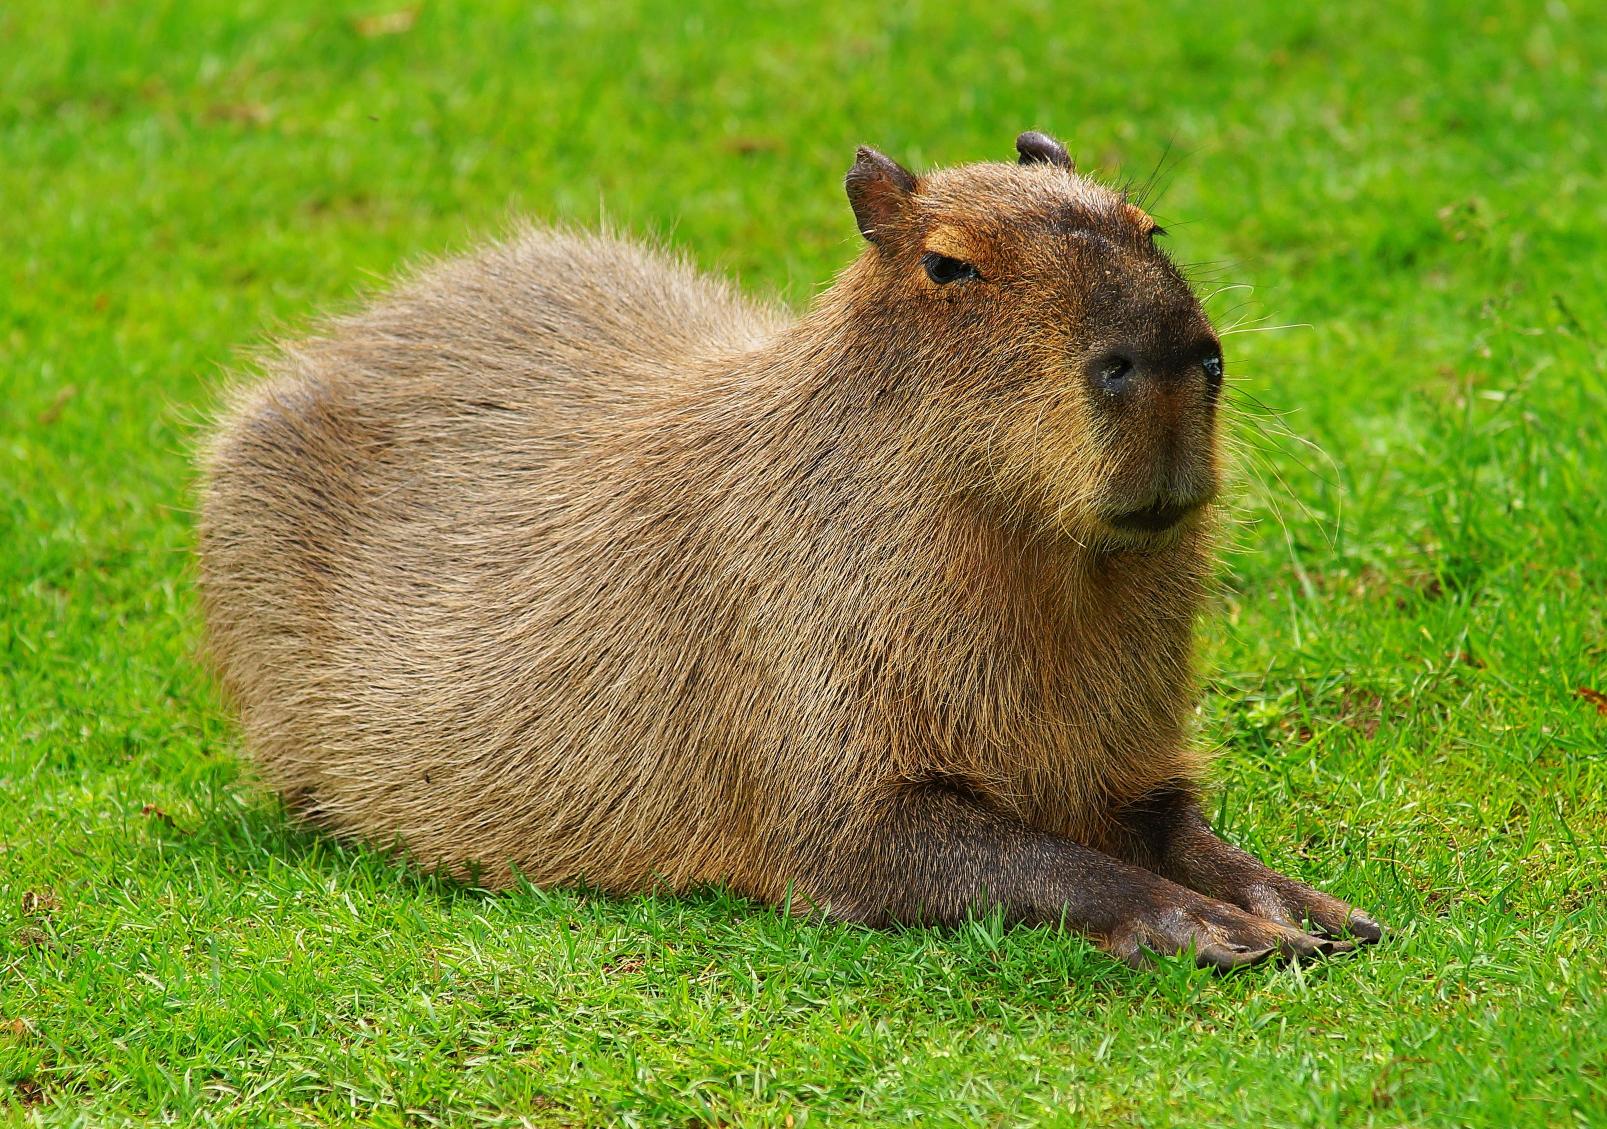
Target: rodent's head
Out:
[1073,361]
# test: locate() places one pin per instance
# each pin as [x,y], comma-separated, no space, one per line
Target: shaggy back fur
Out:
[566,560]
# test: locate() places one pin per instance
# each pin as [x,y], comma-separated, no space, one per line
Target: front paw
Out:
[1220,936]
[1281,899]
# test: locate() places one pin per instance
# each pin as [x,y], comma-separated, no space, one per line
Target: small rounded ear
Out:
[1041,149]
[878,188]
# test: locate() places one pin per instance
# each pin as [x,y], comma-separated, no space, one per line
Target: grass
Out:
[1413,601]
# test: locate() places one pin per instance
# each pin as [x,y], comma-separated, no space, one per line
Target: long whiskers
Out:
[1269,424]
[1220,290]
[1261,410]
[1238,328]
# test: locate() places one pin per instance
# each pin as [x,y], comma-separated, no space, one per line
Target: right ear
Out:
[879,189]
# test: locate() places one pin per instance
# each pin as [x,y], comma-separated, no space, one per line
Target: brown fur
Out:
[566,560]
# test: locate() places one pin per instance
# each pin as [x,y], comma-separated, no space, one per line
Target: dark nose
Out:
[1118,373]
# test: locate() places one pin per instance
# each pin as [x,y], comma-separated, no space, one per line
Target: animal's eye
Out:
[1213,368]
[942,270]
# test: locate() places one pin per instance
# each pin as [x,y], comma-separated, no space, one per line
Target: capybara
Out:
[568,562]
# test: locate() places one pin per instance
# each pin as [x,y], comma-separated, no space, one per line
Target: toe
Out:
[1295,945]
[1364,928]
[1225,957]
[1328,917]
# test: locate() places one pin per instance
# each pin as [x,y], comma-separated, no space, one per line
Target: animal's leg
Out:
[1166,833]
[932,854]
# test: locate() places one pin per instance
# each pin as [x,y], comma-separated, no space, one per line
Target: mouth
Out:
[1157,517]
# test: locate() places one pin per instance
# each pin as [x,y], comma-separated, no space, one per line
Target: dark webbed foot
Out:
[1221,936]
[1278,898]
[1168,835]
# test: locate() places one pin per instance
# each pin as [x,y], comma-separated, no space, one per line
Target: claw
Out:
[1228,957]
[1357,929]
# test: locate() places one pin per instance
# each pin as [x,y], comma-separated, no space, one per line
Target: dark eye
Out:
[1213,368]
[943,270]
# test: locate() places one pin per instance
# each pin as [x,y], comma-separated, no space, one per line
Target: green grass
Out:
[1411,605]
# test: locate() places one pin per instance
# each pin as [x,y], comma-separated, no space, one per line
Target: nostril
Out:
[1114,372]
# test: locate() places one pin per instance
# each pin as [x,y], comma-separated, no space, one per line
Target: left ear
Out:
[879,189]
[1041,149]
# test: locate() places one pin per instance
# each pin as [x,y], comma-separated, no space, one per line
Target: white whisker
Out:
[1266,328]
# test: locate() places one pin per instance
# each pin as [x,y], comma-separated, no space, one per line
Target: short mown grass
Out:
[1399,668]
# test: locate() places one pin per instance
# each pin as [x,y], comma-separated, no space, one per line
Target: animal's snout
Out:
[1120,373]
[1157,392]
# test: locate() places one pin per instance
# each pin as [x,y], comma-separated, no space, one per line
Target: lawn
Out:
[1412,610]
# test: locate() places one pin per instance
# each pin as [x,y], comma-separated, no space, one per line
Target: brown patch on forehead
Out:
[973,212]
[953,241]
[974,208]
[1007,192]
